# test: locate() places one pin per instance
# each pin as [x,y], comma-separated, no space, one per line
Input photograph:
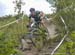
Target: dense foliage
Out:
[10,35]
[66,10]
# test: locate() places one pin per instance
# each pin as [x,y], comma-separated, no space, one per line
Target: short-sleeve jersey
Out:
[36,16]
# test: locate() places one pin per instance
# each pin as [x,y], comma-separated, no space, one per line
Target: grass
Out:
[10,35]
[6,20]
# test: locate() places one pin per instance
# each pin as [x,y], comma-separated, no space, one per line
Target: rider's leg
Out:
[32,24]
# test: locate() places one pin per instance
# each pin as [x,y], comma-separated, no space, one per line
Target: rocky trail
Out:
[30,49]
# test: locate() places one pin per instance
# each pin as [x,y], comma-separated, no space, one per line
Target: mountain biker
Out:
[35,17]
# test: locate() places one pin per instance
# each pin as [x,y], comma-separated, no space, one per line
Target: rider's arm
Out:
[42,15]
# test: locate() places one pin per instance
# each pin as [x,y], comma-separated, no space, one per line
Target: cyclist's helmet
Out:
[32,9]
